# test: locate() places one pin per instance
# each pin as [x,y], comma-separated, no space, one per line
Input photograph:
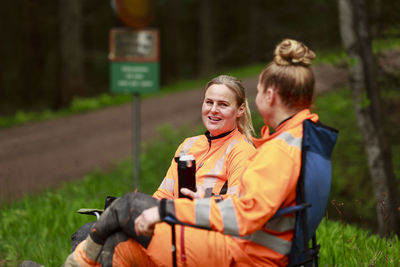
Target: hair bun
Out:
[292,52]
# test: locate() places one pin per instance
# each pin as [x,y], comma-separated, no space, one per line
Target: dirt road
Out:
[41,155]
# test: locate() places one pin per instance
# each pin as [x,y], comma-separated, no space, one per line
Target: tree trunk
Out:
[27,64]
[376,17]
[72,72]
[171,39]
[256,37]
[366,97]
[207,56]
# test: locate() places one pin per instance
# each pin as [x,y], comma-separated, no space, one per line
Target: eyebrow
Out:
[218,100]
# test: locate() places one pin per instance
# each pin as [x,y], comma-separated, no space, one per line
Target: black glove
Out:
[121,215]
[84,230]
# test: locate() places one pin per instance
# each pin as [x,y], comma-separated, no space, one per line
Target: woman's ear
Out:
[270,95]
[241,110]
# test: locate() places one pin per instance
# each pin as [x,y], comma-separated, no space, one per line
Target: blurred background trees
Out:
[72,72]
[45,43]
[367,100]
[52,51]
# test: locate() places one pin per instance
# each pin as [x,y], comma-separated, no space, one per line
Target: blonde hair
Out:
[244,123]
[290,74]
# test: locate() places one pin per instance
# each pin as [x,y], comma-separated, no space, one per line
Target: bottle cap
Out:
[186,158]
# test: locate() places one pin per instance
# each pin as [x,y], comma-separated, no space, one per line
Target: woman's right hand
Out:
[145,223]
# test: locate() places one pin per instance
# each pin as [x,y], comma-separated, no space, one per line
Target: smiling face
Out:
[220,110]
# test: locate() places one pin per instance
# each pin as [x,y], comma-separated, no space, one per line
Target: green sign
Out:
[134,77]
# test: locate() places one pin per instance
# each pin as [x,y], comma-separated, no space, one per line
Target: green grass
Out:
[348,245]
[39,227]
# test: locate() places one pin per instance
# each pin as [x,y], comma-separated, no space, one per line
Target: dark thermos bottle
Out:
[186,173]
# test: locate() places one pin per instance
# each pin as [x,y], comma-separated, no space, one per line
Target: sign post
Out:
[136,140]
[134,69]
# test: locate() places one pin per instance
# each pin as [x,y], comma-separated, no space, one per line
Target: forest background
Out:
[198,38]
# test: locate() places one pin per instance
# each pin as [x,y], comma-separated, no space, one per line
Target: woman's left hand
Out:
[146,222]
[199,194]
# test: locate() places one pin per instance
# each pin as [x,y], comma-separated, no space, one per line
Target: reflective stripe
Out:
[290,139]
[212,176]
[229,219]
[219,165]
[209,181]
[231,145]
[92,249]
[232,190]
[202,210]
[71,261]
[188,145]
[168,184]
[275,243]
[281,224]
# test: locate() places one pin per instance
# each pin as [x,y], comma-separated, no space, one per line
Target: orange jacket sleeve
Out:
[270,179]
[166,188]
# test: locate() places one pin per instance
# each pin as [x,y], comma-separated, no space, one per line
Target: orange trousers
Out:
[194,247]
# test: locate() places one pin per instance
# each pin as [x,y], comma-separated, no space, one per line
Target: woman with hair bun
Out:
[243,232]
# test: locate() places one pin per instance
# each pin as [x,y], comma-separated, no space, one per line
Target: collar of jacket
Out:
[221,136]
[290,123]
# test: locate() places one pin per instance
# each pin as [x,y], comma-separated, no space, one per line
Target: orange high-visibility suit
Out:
[249,237]
[219,160]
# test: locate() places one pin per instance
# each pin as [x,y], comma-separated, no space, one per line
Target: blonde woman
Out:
[221,152]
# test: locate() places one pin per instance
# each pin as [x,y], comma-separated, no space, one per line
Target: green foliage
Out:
[39,227]
[351,184]
[381,45]
[365,102]
[246,71]
[349,162]
[348,245]
[332,56]
[79,105]
[336,56]
[352,62]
